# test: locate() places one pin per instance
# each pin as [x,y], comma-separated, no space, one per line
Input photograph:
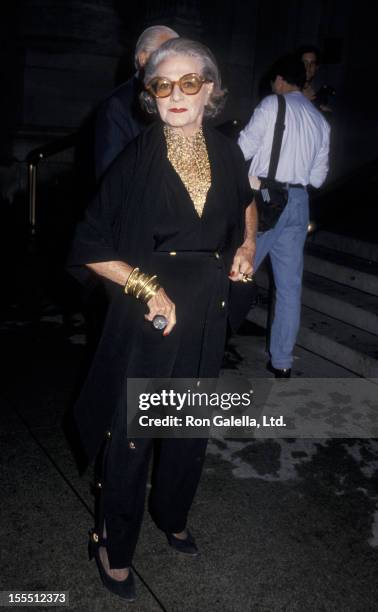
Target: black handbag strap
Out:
[277,137]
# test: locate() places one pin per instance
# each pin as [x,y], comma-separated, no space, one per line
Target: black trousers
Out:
[125,465]
[178,462]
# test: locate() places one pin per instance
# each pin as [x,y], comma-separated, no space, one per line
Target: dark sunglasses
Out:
[189,84]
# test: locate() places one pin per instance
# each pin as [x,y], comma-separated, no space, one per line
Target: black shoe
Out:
[122,588]
[278,372]
[187,546]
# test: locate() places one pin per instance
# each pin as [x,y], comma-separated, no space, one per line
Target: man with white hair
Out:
[119,118]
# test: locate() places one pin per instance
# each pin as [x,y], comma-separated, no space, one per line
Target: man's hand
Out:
[243,261]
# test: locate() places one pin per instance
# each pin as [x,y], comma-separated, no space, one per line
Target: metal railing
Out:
[33,159]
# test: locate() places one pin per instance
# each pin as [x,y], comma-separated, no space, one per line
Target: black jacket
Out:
[119,120]
[119,225]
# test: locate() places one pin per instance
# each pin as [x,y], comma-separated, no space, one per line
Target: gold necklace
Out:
[189,157]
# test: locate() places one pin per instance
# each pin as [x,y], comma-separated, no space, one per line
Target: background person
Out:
[120,118]
[303,161]
[318,93]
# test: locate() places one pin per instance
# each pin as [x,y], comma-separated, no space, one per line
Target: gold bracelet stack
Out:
[142,286]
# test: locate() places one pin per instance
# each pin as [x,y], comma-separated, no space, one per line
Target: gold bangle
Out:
[151,292]
[145,287]
[142,282]
[141,285]
[135,283]
[129,283]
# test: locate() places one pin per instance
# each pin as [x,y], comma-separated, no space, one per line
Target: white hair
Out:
[148,40]
[210,71]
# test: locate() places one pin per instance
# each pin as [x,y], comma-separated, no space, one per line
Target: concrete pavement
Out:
[282,524]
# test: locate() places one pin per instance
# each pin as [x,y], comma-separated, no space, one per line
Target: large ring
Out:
[246,278]
[159,322]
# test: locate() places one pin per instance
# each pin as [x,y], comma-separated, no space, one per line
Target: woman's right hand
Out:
[160,304]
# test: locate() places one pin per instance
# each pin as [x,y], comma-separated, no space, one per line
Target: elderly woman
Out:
[167,230]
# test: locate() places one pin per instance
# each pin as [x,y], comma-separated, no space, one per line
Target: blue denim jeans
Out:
[284,244]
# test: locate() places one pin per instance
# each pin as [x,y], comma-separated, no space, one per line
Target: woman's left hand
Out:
[242,264]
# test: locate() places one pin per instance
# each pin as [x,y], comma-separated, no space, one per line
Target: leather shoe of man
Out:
[278,372]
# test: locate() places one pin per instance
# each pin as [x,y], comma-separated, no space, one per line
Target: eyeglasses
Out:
[189,84]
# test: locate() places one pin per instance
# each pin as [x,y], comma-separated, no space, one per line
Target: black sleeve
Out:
[114,131]
[245,190]
[95,238]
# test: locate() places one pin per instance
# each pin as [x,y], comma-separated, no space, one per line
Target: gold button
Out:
[108,434]
[95,537]
[223,304]
[99,485]
[132,445]
[216,255]
[173,253]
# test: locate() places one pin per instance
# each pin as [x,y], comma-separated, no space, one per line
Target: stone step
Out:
[346,269]
[348,346]
[339,301]
[345,244]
